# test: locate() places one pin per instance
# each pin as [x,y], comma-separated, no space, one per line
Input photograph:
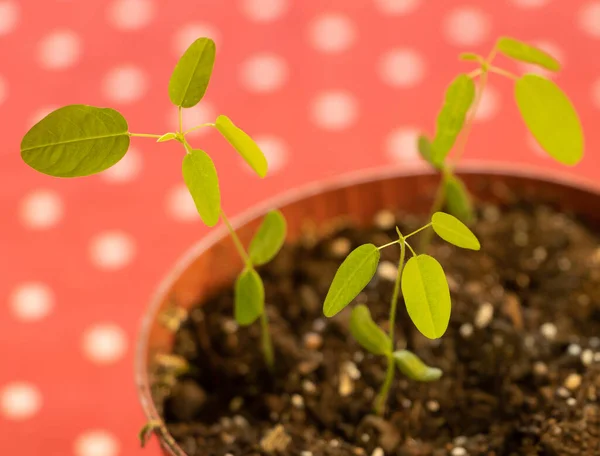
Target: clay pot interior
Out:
[213,262]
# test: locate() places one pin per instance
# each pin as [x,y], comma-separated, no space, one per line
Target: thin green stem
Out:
[236,240]
[385,388]
[476,72]
[388,244]
[418,231]
[503,72]
[180,120]
[144,135]
[438,204]
[411,249]
[197,127]
[266,342]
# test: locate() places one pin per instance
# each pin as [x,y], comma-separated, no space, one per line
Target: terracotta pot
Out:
[213,262]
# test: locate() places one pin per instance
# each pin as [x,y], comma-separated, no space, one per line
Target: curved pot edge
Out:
[305,191]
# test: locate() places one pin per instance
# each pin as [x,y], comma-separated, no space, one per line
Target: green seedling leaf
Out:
[269,238]
[200,176]
[452,230]
[249,297]
[366,332]
[353,275]
[75,141]
[192,73]
[244,145]
[458,99]
[458,199]
[411,365]
[146,432]
[550,117]
[524,52]
[470,57]
[167,137]
[426,151]
[427,296]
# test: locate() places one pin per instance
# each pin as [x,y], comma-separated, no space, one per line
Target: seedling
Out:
[547,112]
[80,140]
[425,290]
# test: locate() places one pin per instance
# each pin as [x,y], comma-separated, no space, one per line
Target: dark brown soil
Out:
[521,358]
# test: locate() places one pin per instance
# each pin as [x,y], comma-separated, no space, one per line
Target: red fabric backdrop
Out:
[325,87]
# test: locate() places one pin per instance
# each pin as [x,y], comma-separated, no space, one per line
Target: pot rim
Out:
[290,196]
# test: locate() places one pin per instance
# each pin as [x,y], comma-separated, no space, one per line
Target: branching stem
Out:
[197,127]
[144,135]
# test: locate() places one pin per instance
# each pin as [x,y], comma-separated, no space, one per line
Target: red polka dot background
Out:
[325,87]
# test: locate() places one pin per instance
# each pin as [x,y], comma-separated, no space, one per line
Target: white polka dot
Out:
[263,73]
[112,250]
[3,90]
[189,33]
[125,84]
[401,144]
[275,150]
[589,19]
[489,105]
[31,301]
[126,170]
[180,205]
[104,343]
[40,113]
[551,49]
[596,93]
[20,401]
[530,3]
[334,110]
[397,7]
[332,33]
[265,10]
[60,49]
[131,14]
[402,68]
[9,16]
[466,27]
[200,114]
[41,209]
[96,443]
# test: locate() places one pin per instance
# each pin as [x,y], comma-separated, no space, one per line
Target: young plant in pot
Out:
[320,396]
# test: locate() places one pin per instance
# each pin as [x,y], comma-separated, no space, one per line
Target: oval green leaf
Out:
[452,230]
[458,199]
[427,296]
[353,275]
[457,101]
[470,57]
[191,75]
[411,365]
[243,144]
[75,141]
[524,52]
[550,117]
[167,137]
[366,332]
[426,150]
[200,176]
[269,238]
[249,299]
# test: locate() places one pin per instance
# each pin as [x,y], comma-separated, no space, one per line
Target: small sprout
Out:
[200,176]
[411,365]
[191,75]
[243,144]
[459,97]
[249,297]
[76,141]
[167,137]
[452,230]
[351,278]
[550,117]
[269,238]
[524,52]
[146,432]
[426,295]
[366,332]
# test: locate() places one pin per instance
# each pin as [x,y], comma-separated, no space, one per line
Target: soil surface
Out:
[521,357]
